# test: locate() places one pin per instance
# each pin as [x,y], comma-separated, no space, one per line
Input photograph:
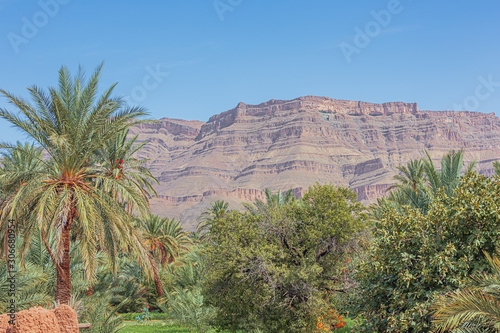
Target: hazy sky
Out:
[191,59]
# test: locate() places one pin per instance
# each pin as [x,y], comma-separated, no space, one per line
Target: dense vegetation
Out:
[276,267]
[422,259]
[417,256]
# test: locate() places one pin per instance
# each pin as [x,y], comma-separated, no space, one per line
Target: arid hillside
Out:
[293,144]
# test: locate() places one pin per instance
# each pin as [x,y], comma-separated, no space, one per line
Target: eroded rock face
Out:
[292,144]
[40,320]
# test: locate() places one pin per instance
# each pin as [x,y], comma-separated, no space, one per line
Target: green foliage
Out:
[419,181]
[496,167]
[477,307]
[74,195]
[29,288]
[187,308]
[416,257]
[131,288]
[217,210]
[116,158]
[144,316]
[351,326]
[165,240]
[154,327]
[184,299]
[97,311]
[279,199]
[275,271]
[411,175]
[35,286]
[164,237]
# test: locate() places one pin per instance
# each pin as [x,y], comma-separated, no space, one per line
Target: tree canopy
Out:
[75,194]
[417,256]
[277,270]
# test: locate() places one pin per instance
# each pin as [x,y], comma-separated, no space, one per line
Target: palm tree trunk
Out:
[159,290]
[156,277]
[63,288]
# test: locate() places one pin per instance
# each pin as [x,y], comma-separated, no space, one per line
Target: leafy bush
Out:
[184,302]
[351,326]
[474,308]
[275,268]
[416,257]
[144,316]
[186,307]
[100,314]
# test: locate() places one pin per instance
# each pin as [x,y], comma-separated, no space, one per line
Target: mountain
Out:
[293,144]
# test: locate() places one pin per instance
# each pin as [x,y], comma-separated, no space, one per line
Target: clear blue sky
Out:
[441,54]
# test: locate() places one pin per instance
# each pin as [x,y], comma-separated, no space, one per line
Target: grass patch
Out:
[167,326]
[153,327]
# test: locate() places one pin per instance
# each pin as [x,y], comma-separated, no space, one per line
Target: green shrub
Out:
[97,312]
[144,317]
[187,308]
[275,268]
[416,257]
[351,326]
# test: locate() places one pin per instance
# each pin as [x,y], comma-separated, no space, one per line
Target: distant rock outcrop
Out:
[293,144]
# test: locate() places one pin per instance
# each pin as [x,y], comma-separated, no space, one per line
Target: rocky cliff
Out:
[293,144]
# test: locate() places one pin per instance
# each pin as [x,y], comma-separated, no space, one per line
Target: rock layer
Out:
[293,144]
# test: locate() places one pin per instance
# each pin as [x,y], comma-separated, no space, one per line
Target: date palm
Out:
[448,177]
[165,240]
[496,168]
[280,198]
[272,200]
[20,162]
[119,165]
[62,198]
[420,180]
[216,210]
[411,175]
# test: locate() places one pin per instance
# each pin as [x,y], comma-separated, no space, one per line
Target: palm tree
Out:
[272,200]
[475,309]
[419,182]
[20,161]
[216,211]
[496,167]
[71,123]
[280,198]
[411,175]
[119,165]
[117,161]
[448,177]
[165,240]
[184,295]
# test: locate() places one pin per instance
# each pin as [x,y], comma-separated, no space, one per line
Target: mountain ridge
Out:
[284,144]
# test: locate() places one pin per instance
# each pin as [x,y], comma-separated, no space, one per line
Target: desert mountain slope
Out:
[292,144]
